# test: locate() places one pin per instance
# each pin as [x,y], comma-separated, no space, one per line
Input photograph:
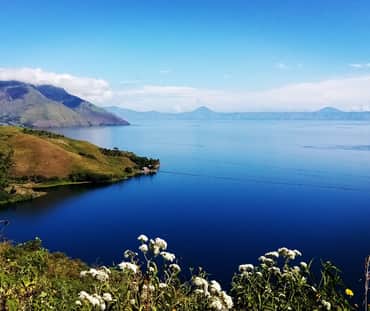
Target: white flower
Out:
[296,269]
[326,304]
[78,303]
[129,253]
[100,275]
[297,252]
[175,268]
[227,300]
[107,297]
[143,248]
[275,270]
[259,274]
[162,244]
[265,260]
[128,266]
[246,267]
[105,269]
[215,287]
[304,265]
[168,256]
[132,301]
[216,304]
[272,254]
[142,238]
[283,251]
[162,285]
[83,273]
[200,282]
[94,300]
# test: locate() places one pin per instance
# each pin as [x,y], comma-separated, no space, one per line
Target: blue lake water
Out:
[226,193]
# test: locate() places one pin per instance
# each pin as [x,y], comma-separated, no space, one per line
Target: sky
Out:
[176,55]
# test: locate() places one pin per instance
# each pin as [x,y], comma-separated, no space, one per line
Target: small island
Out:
[33,160]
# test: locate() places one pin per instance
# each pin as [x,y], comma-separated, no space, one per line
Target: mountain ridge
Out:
[47,106]
[204,113]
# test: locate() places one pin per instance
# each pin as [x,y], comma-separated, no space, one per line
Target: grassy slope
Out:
[58,160]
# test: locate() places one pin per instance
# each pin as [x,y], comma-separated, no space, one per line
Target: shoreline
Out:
[31,191]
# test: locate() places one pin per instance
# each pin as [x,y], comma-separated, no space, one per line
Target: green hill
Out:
[33,159]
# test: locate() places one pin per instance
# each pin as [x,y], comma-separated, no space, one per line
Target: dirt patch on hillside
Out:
[34,156]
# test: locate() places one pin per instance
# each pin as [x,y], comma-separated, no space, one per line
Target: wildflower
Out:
[132,302]
[199,291]
[162,244]
[262,258]
[83,273]
[216,304]
[107,297]
[175,268]
[162,285]
[297,252]
[215,287]
[272,254]
[143,248]
[296,269]
[94,300]
[227,300]
[275,270]
[168,256]
[142,238]
[259,274]
[78,303]
[326,304]
[349,292]
[128,266]
[304,265]
[291,254]
[200,282]
[246,267]
[98,274]
[129,253]
[265,260]
[283,251]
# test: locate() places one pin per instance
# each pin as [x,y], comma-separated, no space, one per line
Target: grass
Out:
[41,159]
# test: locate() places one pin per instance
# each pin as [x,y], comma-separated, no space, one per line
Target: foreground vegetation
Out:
[31,278]
[35,159]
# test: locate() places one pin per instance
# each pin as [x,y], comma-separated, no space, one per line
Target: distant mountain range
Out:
[204,113]
[49,106]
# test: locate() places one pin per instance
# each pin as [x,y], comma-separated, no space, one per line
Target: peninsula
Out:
[34,160]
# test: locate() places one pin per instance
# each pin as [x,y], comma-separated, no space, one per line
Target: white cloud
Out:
[345,93]
[351,93]
[165,71]
[360,66]
[94,90]
[281,66]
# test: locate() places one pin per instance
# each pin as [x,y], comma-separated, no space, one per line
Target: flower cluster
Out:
[150,279]
[217,298]
[95,300]
[101,274]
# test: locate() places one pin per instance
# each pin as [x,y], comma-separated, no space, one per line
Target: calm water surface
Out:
[226,193]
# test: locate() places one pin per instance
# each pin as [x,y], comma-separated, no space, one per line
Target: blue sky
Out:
[174,55]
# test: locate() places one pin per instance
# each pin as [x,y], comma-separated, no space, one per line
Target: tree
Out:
[6,163]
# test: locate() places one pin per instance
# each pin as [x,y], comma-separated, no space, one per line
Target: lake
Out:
[226,193]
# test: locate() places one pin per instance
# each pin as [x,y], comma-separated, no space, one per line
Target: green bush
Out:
[31,278]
